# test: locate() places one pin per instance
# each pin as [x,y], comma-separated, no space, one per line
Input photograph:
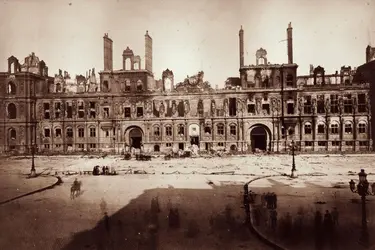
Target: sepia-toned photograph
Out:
[178,125]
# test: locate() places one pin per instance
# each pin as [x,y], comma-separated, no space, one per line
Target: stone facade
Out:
[266,107]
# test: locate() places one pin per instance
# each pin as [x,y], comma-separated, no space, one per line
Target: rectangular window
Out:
[181,146]
[139,111]
[336,143]
[168,145]
[233,130]
[307,105]
[334,128]
[92,132]
[232,106]
[308,129]
[106,112]
[58,132]
[81,132]
[92,145]
[322,143]
[168,131]
[362,103]
[58,145]
[127,112]
[81,145]
[107,133]
[348,128]
[320,104]
[251,108]
[69,132]
[69,110]
[266,107]
[334,104]
[349,143]
[47,132]
[290,108]
[308,143]
[348,104]
[220,129]
[363,143]
[46,146]
[57,110]
[46,111]
[362,128]
[321,129]
[221,144]
[92,110]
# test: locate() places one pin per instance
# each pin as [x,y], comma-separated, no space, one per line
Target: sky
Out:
[188,35]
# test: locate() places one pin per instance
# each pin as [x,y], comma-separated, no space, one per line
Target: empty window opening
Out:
[233,130]
[81,110]
[289,80]
[348,104]
[251,108]
[156,148]
[266,108]
[334,104]
[307,106]
[47,132]
[106,112]
[290,108]
[11,88]
[46,111]
[320,105]
[58,132]
[220,129]
[181,130]
[200,108]
[105,86]
[181,109]
[334,128]
[57,110]
[92,110]
[69,132]
[168,131]
[361,103]
[69,110]
[232,107]
[362,128]
[127,112]
[156,131]
[139,86]
[308,129]
[348,128]
[321,129]
[181,146]
[12,111]
[92,132]
[81,132]
[139,111]
[207,130]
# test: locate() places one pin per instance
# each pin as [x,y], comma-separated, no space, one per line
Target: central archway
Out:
[135,137]
[258,138]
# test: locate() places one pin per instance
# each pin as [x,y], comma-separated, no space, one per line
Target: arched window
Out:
[12,134]
[156,131]
[362,128]
[220,129]
[156,148]
[348,129]
[308,128]
[128,64]
[11,88]
[105,86]
[334,128]
[321,128]
[12,111]
[136,66]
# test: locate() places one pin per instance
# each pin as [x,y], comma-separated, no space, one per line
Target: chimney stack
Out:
[241,47]
[289,32]
[108,53]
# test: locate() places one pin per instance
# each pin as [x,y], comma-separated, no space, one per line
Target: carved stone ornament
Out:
[187,107]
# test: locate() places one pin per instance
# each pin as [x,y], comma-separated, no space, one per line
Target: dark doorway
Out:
[181,146]
[135,138]
[258,138]
[194,140]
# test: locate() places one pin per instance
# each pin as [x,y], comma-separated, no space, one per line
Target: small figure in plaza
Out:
[103,170]
[106,170]
[263,199]
[288,224]
[256,216]
[328,222]
[273,219]
[106,222]
[335,216]
[317,228]
[274,201]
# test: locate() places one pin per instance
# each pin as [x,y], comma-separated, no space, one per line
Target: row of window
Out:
[334,128]
[336,143]
[207,130]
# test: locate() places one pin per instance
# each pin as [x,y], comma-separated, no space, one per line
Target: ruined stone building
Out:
[267,107]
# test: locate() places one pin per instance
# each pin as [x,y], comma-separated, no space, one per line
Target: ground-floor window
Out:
[181,146]
[12,147]
[46,146]
[207,146]
[221,144]
[168,145]
[81,145]
[363,143]
[92,145]
[336,143]
[308,143]
[156,148]
[58,145]
[322,143]
[349,143]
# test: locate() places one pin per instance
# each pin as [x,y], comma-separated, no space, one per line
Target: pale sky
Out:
[188,35]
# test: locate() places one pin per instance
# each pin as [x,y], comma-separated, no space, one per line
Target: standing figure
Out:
[335,216]
[273,219]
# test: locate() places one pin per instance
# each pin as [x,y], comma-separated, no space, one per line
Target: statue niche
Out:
[187,107]
[161,109]
[174,109]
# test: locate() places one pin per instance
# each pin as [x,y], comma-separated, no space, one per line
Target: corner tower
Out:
[108,53]
[148,52]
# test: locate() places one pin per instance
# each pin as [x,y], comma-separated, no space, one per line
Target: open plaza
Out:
[118,212]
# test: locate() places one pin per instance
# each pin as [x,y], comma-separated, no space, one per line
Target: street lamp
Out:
[363,190]
[293,147]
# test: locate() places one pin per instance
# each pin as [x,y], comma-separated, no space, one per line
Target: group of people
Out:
[105,170]
[325,227]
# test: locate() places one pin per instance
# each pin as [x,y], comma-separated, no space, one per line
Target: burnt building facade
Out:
[267,107]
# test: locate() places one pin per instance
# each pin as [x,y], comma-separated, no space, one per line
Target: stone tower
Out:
[108,53]
[241,48]
[148,52]
[289,33]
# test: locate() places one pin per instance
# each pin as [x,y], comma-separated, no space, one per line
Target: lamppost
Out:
[363,190]
[293,147]
[32,172]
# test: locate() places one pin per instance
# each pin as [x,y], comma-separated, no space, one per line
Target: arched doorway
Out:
[258,137]
[135,137]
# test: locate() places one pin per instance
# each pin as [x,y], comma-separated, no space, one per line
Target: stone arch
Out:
[156,148]
[12,134]
[128,64]
[134,136]
[260,137]
[12,111]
